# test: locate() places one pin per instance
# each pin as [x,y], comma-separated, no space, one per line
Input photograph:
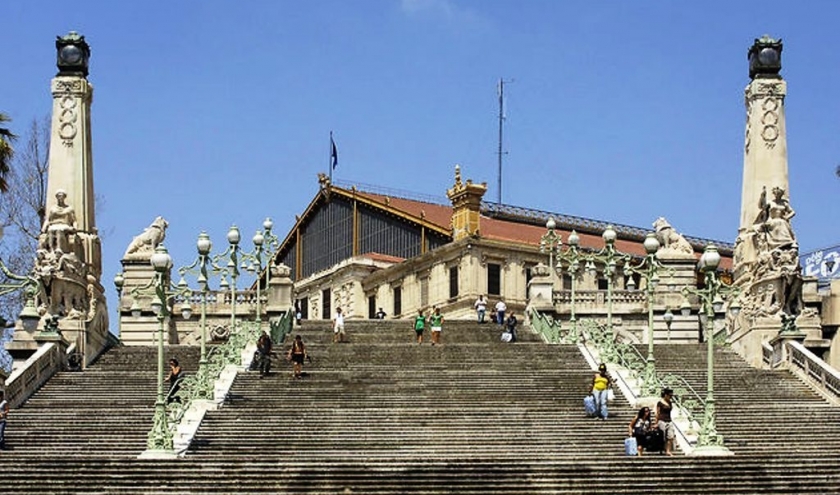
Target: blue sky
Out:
[211,112]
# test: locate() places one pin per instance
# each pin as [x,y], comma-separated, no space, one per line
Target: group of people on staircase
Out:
[651,432]
[654,432]
[499,315]
[435,321]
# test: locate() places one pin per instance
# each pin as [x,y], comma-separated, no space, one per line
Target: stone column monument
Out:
[766,261]
[69,262]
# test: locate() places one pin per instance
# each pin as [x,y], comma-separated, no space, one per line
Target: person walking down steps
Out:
[601,384]
[297,354]
[419,325]
[338,326]
[436,322]
[264,345]
[4,415]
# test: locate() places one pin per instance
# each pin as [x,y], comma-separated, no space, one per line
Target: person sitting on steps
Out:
[639,428]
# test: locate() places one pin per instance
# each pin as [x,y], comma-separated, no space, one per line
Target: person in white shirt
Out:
[338,326]
[481,308]
[4,414]
[501,307]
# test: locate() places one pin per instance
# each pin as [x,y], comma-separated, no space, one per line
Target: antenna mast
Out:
[501,152]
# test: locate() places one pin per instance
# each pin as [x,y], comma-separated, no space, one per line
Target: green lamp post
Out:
[648,269]
[712,298]
[610,258]
[265,243]
[551,241]
[160,440]
[119,284]
[198,267]
[31,285]
[252,262]
[231,269]
[571,258]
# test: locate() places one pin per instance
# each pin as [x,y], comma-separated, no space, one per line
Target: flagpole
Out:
[329,157]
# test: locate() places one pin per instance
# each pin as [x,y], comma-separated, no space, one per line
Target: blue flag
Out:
[333,153]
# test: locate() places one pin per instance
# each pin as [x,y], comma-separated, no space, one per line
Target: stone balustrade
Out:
[40,367]
[791,354]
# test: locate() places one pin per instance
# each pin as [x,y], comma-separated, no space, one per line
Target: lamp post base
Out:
[158,454]
[711,451]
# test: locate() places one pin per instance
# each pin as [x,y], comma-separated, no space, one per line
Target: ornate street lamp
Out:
[551,241]
[199,268]
[712,299]
[255,259]
[231,269]
[765,56]
[160,437]
[29,316]
[610,258]
[119,283]
[571,257]
[648,269]
[265,242]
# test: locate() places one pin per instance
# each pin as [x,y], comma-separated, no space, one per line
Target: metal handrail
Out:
[217,358]
[621,353]
[281,327]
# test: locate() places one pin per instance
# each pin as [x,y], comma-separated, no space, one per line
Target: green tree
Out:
[22,208]
[6,151]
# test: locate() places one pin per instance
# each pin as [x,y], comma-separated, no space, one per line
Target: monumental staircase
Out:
[381,414]
[758,411]
[103,412]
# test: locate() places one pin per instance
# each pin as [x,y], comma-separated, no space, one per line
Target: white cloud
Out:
[447,10]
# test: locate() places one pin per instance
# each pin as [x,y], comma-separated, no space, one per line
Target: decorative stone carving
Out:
[59,229]
[143,245]
[773,222]
[670,241]
[768,258]
[62,266]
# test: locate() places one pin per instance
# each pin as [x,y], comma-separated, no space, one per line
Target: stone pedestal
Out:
[279,293]
[679,270]
[540,288]
[138,273]
[748,340]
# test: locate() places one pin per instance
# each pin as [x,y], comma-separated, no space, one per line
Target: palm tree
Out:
[6,151]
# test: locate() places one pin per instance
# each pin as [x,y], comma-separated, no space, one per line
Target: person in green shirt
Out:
[419,325]
[436,322]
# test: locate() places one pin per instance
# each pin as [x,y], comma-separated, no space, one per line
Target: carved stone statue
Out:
[671,242]
[59,225]
[768,257]
[143,245]
[773,222]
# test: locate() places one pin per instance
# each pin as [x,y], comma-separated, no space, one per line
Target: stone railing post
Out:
[279,292]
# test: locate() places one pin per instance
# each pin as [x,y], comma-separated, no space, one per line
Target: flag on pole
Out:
[333,153]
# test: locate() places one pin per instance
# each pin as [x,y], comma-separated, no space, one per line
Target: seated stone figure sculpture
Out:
[59,225]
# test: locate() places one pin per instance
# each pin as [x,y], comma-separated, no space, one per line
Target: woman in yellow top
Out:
[601,384]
